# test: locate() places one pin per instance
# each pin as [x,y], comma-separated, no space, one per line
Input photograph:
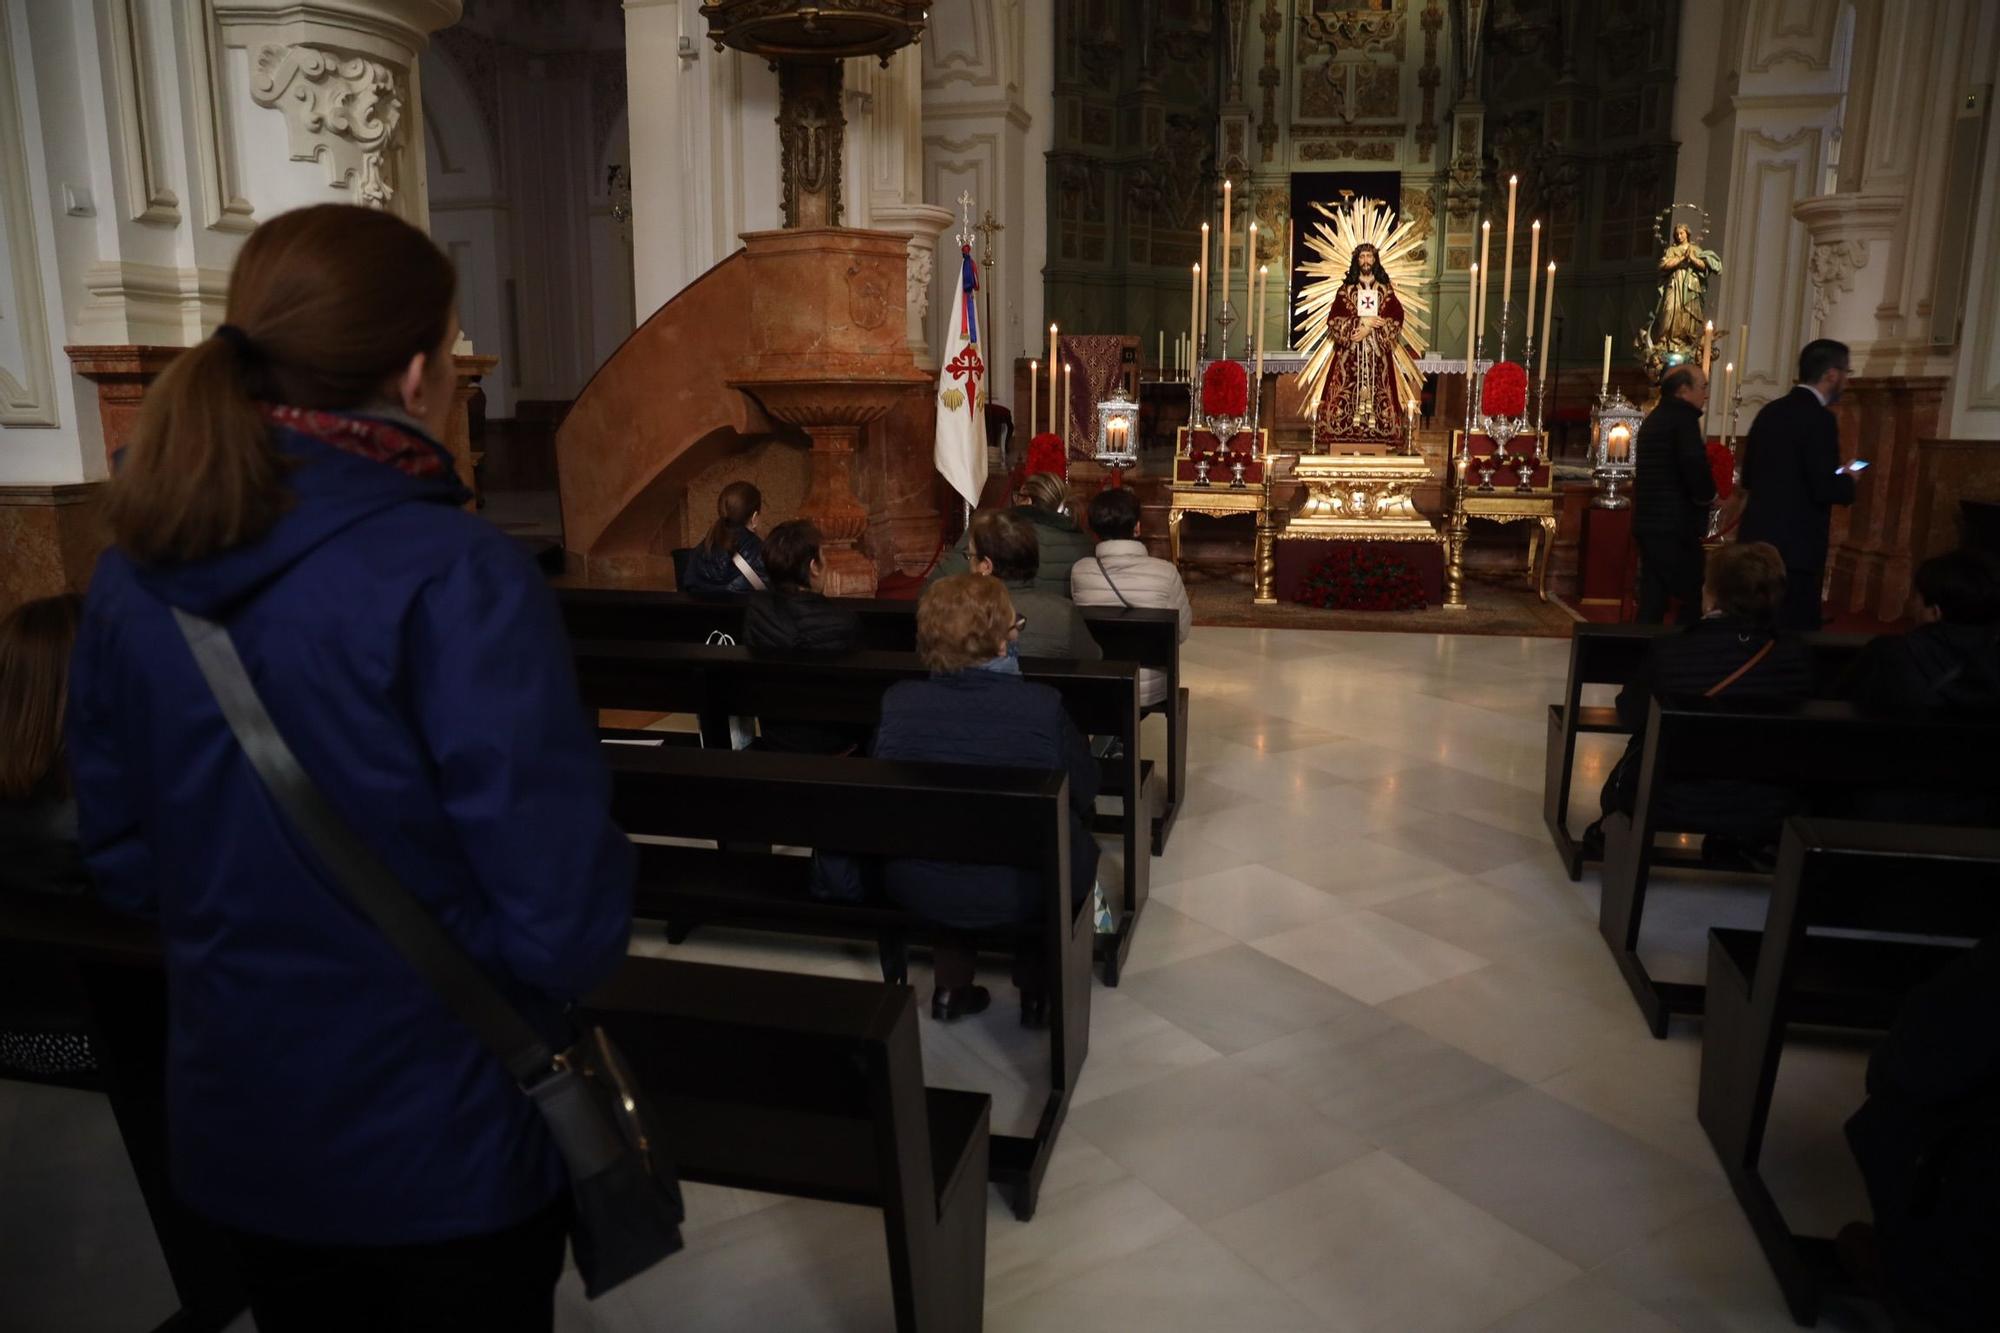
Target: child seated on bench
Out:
[1733,655]
[976,709]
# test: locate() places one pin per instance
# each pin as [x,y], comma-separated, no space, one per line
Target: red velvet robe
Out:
[1360,404]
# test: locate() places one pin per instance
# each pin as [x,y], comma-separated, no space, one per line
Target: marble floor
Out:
[1371,1068]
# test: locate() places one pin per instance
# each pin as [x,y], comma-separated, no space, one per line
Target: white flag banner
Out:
[961,397]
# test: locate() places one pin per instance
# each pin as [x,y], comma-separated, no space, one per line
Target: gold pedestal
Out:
[1355,497]
[1500,504]
[1220,498]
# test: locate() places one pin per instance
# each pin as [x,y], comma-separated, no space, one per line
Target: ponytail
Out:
[201,474]
[327,305]
[734,508]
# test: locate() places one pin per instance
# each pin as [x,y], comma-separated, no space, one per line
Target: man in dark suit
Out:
[1794,477]
[1671,495]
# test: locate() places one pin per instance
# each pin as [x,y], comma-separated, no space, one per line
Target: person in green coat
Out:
[1044,501]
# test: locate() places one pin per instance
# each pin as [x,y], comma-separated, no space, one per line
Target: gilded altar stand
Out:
[1514,484]
[1223,480]
[1356,500]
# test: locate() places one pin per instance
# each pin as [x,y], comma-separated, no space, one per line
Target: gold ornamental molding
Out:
[1346,25]
[1349,131]
[1357,497]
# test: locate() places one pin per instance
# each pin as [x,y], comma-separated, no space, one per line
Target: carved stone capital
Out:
[1831,268]
[341,110]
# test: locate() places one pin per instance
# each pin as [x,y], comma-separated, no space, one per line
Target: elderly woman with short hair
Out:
[976,709]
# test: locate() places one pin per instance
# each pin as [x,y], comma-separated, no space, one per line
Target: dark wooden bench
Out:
[814,1087]
[747,801]
[1143,637]
[117,960]
[715,683]
[805,1086]
[1610,655]
[1824,751]
[1912,888]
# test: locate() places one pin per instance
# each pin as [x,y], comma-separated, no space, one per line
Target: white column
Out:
[988,89]
[883,181]
[704,129]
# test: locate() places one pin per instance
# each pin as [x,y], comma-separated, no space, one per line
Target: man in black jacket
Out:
[1794,477]
[1672,492]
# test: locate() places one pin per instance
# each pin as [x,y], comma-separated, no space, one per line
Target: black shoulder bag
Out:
[627,1199]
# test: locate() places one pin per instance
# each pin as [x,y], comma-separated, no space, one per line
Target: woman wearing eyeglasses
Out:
[976,709]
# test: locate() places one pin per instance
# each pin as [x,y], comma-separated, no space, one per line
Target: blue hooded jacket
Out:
[413,657]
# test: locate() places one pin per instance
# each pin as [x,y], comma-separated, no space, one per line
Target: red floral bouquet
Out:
[1506,391]
[1046,454]
[1225,390]
[1722,466]
[1359,578]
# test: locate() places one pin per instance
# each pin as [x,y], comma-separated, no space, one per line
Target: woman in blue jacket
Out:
[372,1159]
[976,709]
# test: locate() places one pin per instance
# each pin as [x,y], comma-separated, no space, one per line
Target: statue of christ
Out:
[1365,324]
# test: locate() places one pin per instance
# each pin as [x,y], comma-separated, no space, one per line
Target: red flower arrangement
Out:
[1722,466]
[1358,578]
[1225,390]
[1045,454]
[1506,391]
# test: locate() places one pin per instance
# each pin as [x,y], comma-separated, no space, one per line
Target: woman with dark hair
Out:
[795,616]
[976,709]
[42,1019]
[374,1162]
[730,558]
[1734,656]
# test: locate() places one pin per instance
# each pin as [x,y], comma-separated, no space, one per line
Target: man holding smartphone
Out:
[1794,477]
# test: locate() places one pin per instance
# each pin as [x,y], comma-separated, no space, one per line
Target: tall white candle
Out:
[1728,401]
[1485,270]
[1534,267]
[1707,343]
[1065,408]
[1258,304]
[1052,377]
[1604,381]
[1204,268]
[1194,305]
[1227,186]
[1548,309]
[1033,400]
[1160,359]
[1250,279]
[1507,264]
[1471,323]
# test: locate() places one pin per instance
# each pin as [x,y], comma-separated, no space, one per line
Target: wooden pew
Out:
[1914,885]
[1144,637]
[814,1087]
[1610,655]
[117,958]
[805,1086]
[717,683]
[865,807]
[1825,751]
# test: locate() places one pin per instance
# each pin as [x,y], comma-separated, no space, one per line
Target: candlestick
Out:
[1707,343]
[1534,267]
[1507,266]
[1262,287]
[1033,400]
[1604,382]
[1223,313]
[1160,358]
[1486,272]
[1548,309]
[1065,409]
[1052,377]
[1250,269]
[1203,269]
[1194,305]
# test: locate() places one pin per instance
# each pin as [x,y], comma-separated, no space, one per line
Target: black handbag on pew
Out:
[627,1199]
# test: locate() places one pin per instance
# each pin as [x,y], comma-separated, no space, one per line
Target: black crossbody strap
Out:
[369,884]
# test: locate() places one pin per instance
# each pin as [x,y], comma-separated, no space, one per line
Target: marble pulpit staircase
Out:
[801,337]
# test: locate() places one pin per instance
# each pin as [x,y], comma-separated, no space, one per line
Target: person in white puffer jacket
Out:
[1121,573]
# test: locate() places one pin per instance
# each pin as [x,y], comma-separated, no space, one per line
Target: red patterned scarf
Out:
[365,437]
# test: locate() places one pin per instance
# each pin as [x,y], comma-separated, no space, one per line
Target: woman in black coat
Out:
[976,709]
[730,558]
[795,618]
[42,1019]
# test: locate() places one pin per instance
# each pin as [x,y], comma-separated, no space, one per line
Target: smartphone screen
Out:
[1858,465]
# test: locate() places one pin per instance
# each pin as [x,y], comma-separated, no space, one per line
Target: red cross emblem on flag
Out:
[966,368]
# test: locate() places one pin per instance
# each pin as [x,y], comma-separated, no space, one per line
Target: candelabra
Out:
[1225,317]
